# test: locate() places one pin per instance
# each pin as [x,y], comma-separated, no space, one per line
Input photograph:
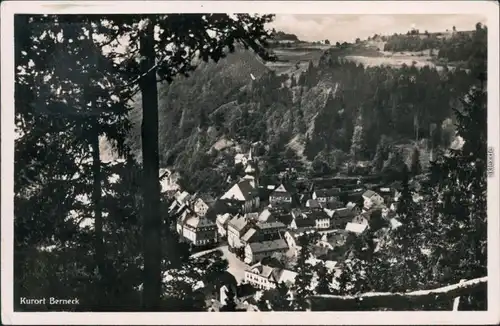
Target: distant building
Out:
[260,232]
[320,218]
[326,195]
[285,218]
[257,250]
[291,237]
[265,215]
[301,220]
[252,175]
[280,195]
[372,199]
[333,240]
[243,159]
[355,209]
[198,230]
[266,277]
[249,237]
[356,228]
[270,227]
[201,206]
[340,217]
[312,203]
[244,194]
[222,221]
[236,228]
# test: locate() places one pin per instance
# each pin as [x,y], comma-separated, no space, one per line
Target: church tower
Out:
[251,173]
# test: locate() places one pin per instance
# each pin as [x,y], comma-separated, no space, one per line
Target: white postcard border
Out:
[489,9]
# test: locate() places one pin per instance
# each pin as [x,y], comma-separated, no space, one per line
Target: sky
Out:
[348,27]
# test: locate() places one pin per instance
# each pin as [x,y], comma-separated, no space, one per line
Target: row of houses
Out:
[235,214]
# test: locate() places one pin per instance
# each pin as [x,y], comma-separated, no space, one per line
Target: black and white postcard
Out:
[188,162]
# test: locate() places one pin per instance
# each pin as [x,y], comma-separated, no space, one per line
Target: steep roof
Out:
[238,222]
[274,273]
[242,191]
[250,168]
[395,223]
[198,222]
[369,193]
[181,197]
[267,246]
[285,275]
[248,235]
[356,228]
[281,188]
[223,219]
[260,269]
[247,189]
[264,215]
[313,203]
[302,222]
[316,214]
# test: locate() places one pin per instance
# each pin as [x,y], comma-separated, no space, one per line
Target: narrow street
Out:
[236,266]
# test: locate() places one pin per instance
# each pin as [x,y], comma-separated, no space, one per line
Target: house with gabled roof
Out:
[326,195]
[244,194]
[356,228]
[285,218]
[302,221]
[291,237]
[266,277]
[222,221]
[236,228]
[198,230]
[280,196]
[259,232]
[340,217]
[255,251]
[312,203]
[372,199]
[320,218]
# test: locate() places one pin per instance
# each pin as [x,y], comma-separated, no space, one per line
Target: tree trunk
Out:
[100,255]
[96,198]
[151,187]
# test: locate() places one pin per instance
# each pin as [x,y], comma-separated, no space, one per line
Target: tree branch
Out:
[395,301]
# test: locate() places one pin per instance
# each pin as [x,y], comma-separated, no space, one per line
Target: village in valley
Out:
[257,227]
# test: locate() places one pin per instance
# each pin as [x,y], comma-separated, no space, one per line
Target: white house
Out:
[200,207]
[264,215]
[372,199]
[266,277]
[280,195]
[356,228]
[236,228]
[251,174]
[222,221]
[182,197]
[326,195]
[320,218]
[198,230]
[168,180]
[257,250]
[243,158]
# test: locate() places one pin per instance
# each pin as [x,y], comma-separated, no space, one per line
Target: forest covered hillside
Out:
[332,112]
